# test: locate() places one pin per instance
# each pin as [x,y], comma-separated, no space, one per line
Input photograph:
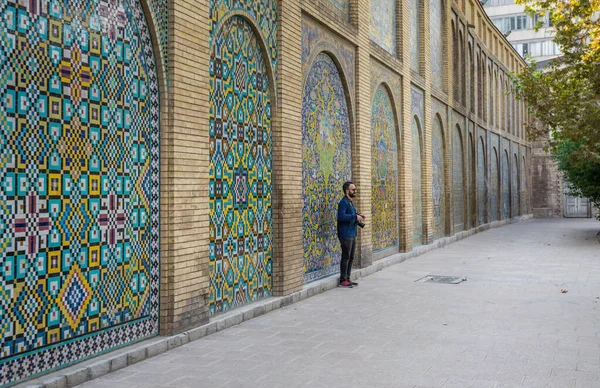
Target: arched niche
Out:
[326,163]
[241,113]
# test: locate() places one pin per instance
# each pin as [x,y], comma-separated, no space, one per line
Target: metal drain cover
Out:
[441,279]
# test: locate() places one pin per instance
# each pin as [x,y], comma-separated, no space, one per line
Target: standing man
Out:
[347,219]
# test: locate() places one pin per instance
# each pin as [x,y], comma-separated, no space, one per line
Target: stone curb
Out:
[132,354]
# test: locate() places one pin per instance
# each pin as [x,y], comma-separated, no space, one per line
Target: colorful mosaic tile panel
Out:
[384,172]
[326,165]
[160,14]
[417,187]
[438,177]
[263,13]
[383,24]
[505,186]
[514,187]
[316,39]
[241,248]
[481,183]
[494,185]
[458,180]
[343,6]
[79,182]
[381,74]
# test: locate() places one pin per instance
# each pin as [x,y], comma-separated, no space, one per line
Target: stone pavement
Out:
[528,316]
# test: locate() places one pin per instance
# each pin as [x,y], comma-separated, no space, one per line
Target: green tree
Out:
[583,174]
[565,96]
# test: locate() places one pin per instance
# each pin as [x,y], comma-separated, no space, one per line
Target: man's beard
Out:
[352,195]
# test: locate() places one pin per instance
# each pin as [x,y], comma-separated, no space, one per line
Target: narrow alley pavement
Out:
[527,316]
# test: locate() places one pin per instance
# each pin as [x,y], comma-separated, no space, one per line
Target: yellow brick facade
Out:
[185,140]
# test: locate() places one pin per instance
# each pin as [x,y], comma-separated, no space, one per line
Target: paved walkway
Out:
[528,316]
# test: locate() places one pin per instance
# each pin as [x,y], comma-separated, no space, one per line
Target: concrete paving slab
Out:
[509,325]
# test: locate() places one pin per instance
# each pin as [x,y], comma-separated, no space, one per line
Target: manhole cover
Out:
[441,279]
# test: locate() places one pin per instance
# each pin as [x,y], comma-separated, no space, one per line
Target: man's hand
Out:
[360,218]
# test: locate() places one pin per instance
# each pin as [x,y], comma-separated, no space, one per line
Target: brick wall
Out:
[185,161]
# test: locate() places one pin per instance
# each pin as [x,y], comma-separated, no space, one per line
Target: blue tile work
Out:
[481,182]
[438,179]
[383,24]
[494,185]
[458,180]
[384,172]
[316,39]
[240,227]
[79,182]
[417,187]
[326,164]
[342,6]
[262,13]
[505,185]
[514,186]
[160,15]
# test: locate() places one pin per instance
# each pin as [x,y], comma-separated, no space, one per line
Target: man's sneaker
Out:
[345,284]
[354,284]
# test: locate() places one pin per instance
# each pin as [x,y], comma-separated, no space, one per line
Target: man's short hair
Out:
[346,186]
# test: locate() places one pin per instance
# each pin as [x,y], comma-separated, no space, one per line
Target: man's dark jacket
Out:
[346,219]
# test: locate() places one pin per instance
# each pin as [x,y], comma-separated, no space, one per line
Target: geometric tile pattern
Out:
[263,14]
[241,248]
[383,24]
[438,179]
[79,145]
[458,180]
[384,172]
[326,165]
[160,15]
[417,187]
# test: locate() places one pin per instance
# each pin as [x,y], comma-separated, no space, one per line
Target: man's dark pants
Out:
[348,245]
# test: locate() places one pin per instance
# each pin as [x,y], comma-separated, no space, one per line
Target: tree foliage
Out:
[582,173]
[565,96]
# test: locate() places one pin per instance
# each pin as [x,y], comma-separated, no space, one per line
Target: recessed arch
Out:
[472,184]
[458,179]
[438,157]
[482,198]
[417,180]
[505,185]
[495,187]
[88,260]
[240,171]
[384,170]
[514,187]
[326,163]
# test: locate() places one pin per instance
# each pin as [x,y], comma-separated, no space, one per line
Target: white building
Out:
[518,27]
